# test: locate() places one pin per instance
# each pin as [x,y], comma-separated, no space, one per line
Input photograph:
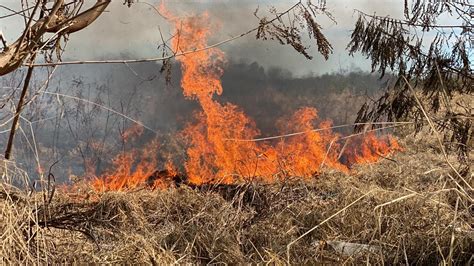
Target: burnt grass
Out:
[406,210]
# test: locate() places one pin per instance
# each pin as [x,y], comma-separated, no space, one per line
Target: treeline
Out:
[266,95]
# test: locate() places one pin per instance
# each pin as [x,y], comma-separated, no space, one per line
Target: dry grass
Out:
[400,211]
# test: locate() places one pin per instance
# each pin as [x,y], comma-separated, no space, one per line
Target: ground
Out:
[405,209]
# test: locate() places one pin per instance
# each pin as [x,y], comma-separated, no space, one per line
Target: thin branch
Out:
[18,110]
[103,107]
[14,12]
[438,138]
[322,129]
[27,29]
[152,6]
[154,59]
[323,222]
[408,23]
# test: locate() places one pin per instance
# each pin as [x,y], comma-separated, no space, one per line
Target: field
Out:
[406,209]
[202,132]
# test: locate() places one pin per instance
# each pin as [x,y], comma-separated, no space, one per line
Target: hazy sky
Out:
[133,32]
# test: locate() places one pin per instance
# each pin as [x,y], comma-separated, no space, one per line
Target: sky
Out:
[134,32]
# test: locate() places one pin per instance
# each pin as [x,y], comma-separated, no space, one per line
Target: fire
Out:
[305,154]
[218,150]
[130,169]
[370,149]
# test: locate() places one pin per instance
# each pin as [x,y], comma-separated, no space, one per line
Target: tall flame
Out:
[218,152]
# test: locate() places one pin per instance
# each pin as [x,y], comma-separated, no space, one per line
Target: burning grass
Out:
[290,200]
[306,206]
[402,210]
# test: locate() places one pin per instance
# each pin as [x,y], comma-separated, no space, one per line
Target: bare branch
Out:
[56,21]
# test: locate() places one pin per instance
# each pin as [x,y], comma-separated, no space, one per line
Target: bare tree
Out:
[61,19]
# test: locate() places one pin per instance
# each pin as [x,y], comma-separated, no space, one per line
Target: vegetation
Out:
[441,73]
[308,201]
[400,211]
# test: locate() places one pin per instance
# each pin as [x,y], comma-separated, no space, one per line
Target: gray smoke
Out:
[265,79]
[135,31]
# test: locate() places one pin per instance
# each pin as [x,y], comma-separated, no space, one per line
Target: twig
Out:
[440,141]
[327,152]
[408,23]
[154,59]
[427,195]
[103,107]
[395,200]
[152,6]
[451,244]
[323,222]
[18,110]
[324,129]
[27,29]
[14,12]
[26,84]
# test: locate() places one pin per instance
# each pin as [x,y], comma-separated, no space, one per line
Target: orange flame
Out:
[129,169]
[213,154]
[370,148]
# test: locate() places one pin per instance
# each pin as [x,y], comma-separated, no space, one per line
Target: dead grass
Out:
[401,211]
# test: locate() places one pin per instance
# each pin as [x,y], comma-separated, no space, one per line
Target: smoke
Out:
[281,82]
[265,94]
[136,31]
[78,133]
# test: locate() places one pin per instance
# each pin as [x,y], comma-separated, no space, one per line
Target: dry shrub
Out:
[22,239]
[411,213]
